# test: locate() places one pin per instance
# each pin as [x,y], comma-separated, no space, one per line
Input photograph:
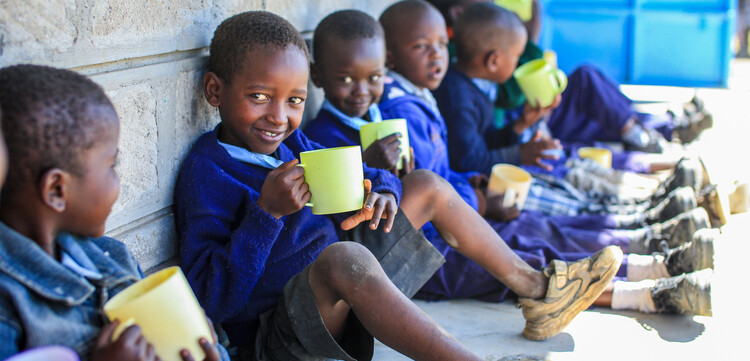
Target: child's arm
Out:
[532,114]
[225,237]
[532,153]
[384,153]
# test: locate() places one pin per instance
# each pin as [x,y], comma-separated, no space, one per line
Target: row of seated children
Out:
[487,51]
[265,268]
[590,102]
[349,64]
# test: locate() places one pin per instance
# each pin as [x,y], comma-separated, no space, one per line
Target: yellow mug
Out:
[511,181]
[335,178]
[165,308]
[539,80]
[601,156]
[522,8]
[369,133]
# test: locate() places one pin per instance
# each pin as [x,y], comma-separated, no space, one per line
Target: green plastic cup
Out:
[522,8]
[335,179]
[538,80]
[369,133]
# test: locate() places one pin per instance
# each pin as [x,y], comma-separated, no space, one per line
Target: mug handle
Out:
[560,79]
[308,204]
[509,198]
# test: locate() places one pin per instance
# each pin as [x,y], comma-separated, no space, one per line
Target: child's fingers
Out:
[390,216]
[377,213]
[353,221]
[367,184]
[212,353]
[105,335]
[185,355]
[150,352]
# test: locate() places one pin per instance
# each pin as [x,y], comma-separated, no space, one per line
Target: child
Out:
[57,270]
[272,273]
[349,59]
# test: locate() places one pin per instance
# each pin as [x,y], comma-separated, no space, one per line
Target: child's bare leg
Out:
[429,198]
[347,276]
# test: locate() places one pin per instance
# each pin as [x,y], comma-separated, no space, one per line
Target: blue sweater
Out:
[474,142]
[427,135]
[236,256]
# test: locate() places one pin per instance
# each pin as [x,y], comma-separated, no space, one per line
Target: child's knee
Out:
[343,263]
[427,183]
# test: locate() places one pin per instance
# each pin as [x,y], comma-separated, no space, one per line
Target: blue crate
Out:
[664,42]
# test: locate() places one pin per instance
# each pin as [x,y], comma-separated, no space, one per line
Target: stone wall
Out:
[149,56]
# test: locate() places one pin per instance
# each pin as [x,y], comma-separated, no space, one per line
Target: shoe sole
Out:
[539,331]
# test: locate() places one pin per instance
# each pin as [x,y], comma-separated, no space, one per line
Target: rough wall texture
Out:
[149,57]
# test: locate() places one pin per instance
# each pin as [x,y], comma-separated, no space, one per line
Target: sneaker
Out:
[676,232]
[686,294]
[573,287]
[693,256]
[677,202]
[688,172]
[715,204]
[655,143]
[693,120]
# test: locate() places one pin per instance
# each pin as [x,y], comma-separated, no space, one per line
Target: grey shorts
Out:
[294,330]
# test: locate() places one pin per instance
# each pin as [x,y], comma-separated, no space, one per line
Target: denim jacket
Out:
[42,302]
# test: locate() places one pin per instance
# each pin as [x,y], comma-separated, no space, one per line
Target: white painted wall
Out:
[149,56]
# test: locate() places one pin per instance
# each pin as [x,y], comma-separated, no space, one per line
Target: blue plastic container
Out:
[660,42]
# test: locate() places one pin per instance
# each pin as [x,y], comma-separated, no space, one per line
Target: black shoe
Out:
[686,294]
[677,202]
[693,256]
[676,232]
[693,120]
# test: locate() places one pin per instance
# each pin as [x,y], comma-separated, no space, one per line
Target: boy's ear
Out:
[53,188]
[212,85]
[493,61]
[315,75]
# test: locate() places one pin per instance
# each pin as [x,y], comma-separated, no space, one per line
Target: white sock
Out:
[641,267]
[633,296]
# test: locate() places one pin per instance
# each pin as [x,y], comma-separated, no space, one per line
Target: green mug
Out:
[335,178]
[538,80]
[369,133]
[522,8]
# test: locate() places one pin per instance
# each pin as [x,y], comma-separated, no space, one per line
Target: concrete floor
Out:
[493,331]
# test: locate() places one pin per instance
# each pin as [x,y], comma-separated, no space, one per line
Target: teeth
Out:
[270,134]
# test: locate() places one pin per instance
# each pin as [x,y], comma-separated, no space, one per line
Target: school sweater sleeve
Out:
[469,149]
[225,237]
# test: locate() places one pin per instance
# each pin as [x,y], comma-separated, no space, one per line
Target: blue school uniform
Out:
[427,133]
[236,256]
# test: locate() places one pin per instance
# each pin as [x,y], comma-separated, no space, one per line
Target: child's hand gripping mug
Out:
[165,308]
[335,179]
[540,81]
[511,181]
[369,133]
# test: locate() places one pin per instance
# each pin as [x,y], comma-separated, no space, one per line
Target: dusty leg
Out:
[347,276]
[428,197]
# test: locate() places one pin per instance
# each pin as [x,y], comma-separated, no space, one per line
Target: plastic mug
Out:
[165,308]
[538,80]
[369,133]
[511,181]
[335,178]
[601,156]
[550,56]
[522,8]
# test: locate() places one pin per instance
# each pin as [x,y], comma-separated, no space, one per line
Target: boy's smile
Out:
[419,50]
[264,101]
[350,72]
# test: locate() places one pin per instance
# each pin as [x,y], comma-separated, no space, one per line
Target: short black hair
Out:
[398,13]
[346,25]
[444,7]
[240,34]
[50,117]
[481,26]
